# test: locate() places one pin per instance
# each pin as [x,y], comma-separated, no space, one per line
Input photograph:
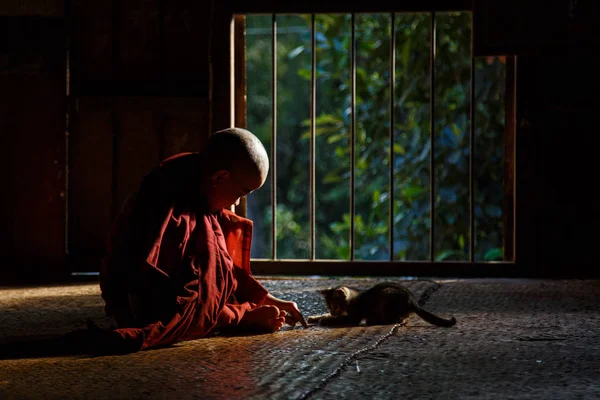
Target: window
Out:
[388,141]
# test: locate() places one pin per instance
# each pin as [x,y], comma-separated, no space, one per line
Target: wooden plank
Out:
[33,171]
[414,269]
[140,103]
[186,26]
[185,131]
[138,152]
[39,171]
[138,40]
[90,183]
[39,8]
[35,46]
[221,101]
[91,45]
[387,268]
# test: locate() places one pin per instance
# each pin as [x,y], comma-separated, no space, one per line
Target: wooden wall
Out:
[32,124]
[557,119]
[556,126]
[139,94]
[138,79]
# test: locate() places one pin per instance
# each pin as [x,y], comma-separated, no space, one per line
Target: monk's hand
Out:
[291,308]
[294,314]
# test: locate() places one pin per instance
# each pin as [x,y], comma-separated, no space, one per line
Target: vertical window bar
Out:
[392,123]
[313,102]
[274,139]
[472,156]
[240,88]
[432,46]
[352,130]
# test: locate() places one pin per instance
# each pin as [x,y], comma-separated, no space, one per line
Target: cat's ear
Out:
[341,292]
[323,291]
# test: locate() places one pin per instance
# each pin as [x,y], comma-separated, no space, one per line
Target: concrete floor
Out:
[514,339]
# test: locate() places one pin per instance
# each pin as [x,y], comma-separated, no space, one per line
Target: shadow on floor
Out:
[42,346]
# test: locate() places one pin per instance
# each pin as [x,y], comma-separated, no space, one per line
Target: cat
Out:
[384,303]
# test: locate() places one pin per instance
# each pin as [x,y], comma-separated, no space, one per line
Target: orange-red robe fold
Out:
[174,271]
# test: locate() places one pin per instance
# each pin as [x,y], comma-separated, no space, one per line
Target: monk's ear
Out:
[220,176]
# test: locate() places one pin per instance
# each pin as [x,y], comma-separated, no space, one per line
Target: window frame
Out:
[228,97]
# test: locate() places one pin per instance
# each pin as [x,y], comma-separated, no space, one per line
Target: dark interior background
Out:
[140,90]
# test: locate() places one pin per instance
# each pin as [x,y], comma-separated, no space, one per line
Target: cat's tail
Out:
[434,319]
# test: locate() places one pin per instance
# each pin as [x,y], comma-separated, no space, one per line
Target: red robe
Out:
[174,271]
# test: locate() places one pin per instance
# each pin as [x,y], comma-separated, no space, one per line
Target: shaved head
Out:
[234,148]
[234,156]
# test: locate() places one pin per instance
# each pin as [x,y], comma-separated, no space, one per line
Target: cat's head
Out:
[336,300]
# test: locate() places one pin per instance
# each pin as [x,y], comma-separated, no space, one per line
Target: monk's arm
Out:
[249,289]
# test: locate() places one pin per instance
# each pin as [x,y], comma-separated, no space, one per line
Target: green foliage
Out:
[411,148]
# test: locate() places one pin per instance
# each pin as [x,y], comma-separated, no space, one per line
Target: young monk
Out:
[178,261]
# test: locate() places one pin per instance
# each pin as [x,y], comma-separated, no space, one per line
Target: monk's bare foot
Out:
[265,318]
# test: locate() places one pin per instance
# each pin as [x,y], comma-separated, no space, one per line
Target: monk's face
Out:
[229,186]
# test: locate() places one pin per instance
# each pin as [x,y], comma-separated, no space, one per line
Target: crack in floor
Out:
[321,385]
